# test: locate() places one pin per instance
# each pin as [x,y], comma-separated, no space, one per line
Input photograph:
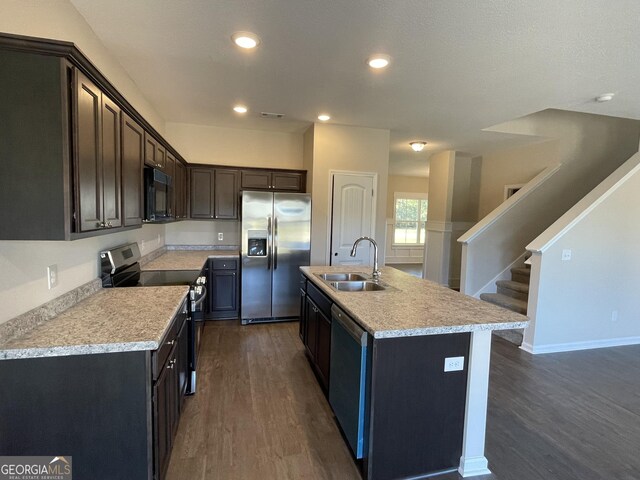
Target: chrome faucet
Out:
[376,272]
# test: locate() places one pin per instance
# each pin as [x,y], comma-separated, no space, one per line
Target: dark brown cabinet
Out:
[201,188]
[97,160]
[315,330]
[154,153]
[213,193]
[226,194]
[284,181]
[223,288]
[132,165]
[180,190]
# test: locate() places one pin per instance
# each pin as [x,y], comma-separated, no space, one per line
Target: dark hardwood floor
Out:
[259,413]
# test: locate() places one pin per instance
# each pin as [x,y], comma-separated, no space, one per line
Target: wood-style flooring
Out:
[260,414]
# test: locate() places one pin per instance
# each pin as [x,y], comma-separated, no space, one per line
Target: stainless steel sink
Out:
[357,286]
[342,277]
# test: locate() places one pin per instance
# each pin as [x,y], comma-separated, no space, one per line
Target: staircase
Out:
[512,294]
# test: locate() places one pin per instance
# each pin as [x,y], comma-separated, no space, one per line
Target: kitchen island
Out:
[424,375]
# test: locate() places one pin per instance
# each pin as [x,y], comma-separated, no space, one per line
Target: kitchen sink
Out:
[342,277]
[357,286]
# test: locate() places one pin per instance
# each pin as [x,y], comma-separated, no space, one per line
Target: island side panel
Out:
[95,408]
[417,409]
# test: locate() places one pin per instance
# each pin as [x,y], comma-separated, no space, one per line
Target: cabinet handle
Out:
[109,225]
[315,310]
[171,342]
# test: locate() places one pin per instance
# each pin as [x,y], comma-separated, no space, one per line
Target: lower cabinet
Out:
[115,413]
[223,288]
[315,330]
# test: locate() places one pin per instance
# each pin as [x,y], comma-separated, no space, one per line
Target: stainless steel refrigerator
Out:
[276,239]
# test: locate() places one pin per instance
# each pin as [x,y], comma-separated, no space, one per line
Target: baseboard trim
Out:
[575,346]
[472,466]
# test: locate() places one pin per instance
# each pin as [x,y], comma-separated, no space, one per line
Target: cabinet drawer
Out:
[225,264]
[320,299]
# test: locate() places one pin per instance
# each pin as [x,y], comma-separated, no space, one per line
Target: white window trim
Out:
[408,196]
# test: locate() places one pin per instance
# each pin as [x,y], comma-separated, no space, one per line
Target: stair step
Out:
[514,336]
[513,289]
[513,304]
[521,274]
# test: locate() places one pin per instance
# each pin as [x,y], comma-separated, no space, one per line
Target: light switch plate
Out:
[453,364]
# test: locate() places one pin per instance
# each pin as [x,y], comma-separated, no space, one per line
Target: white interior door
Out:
[351,217]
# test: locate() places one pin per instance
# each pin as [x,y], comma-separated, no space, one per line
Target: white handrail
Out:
[511,202]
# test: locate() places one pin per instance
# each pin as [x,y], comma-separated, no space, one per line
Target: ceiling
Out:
[457,67]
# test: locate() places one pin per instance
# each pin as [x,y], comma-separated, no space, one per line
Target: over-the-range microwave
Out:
[157,195]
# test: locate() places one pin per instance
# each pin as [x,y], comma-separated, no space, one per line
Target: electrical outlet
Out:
[566,255]
[52,276]
[220,236]
[453,364]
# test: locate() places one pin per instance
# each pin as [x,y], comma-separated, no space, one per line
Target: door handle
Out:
[269,243]
[275,243]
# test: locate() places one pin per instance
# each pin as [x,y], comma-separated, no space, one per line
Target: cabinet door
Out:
[162,435]
[111,164]
[169,169]
[312,329]
[323,354]
[302,327]
[226,193]
[151,151]
[256,180]
[201,193]
[180,190]
[88,172]
[287,181]
[132,165]
[224,291]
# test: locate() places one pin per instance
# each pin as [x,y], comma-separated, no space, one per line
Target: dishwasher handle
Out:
[351,327]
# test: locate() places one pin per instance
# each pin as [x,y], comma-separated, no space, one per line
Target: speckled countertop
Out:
[112,320]
[415,307]
[187,259]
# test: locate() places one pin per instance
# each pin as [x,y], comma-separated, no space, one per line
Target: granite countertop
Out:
[187,259]
[415,306]
[112,320]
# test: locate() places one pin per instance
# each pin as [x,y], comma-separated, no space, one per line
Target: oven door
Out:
[198,298]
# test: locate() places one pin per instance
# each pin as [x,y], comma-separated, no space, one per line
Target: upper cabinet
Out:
[96,121]
[213,193]
[180,190]
[154,153]
[132,165]
[274,180]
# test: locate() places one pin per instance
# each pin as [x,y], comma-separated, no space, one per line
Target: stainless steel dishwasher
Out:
[348,377]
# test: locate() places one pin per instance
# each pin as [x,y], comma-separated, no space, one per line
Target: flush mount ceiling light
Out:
[605,97]
[417,146]
[323,117]
[246,40]
[379,60]
[240,109]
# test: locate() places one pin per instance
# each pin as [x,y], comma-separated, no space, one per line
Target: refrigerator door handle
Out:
[275,242]
[269,242]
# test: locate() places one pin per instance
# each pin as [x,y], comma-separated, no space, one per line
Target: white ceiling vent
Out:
[271,115]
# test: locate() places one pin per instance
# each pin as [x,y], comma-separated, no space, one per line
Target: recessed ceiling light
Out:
[379,60]
[323,117]
[605,97]
[245,39]
[240,109]
[417,146]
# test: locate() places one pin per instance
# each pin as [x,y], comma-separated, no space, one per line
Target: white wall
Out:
[23,266]
[203,232]
[591,300]
[235,146]
[340,147]
[59,20]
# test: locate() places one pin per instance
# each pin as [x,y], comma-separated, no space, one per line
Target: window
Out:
[410,217]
